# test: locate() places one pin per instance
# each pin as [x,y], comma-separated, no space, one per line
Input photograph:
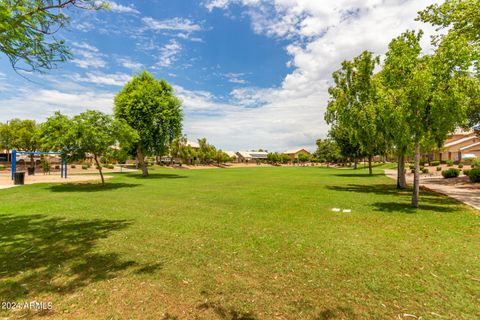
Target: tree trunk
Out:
[99,168]
[141,161]
[416,177]
[355,163]
[401,181]
[32,161]
[370,171]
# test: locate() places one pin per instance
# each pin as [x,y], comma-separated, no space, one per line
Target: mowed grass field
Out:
[252,243]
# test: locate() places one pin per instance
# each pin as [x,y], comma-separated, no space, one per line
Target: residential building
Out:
[296,152]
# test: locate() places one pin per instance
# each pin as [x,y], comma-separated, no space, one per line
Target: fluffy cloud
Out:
[115,79]
[87,56]
[321,35]
[168,53]
[115,7]
[175,24]
[130,64]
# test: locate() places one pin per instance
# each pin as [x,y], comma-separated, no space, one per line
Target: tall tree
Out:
[27,30]
[150,107]
[206,152]
[354,103]
[425,89]
[327,150]
[6,138]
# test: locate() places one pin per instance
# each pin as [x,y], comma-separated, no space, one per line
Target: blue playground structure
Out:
[63,167]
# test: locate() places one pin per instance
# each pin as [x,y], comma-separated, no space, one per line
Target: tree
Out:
[285,158]
[6,137]
[274,158]
[91,132]
[206,151]
[150,107]
[428,92]
[27,30]
[461,20]
[354,104]
[25,136]
[302,158]
[327,150]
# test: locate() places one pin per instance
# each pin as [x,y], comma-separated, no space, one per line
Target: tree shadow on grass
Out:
[428,200]
[226,313]
[90,187]
[41,254]
[358,175]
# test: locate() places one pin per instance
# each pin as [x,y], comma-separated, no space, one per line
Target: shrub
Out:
[439,168]
[460,165]
[2,167]
[412,171]
[57,167]
[450,173]
[109,166]
[449,163]
[425,170]
[422,162]
[84,166]
[474,175]
[73,166]
[411,166]
[476,163]
[466,171]
[435,163]
[421,168]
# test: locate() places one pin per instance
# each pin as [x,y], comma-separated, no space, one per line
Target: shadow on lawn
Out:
[358,175]
[428,200]
[90,187]
[41,254]
[336,313]
[224,313]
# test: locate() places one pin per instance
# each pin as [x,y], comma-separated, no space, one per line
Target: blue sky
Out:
[251,73]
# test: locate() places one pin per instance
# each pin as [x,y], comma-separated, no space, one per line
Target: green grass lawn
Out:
[256,243]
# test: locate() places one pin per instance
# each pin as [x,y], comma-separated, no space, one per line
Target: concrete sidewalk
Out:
[457,188]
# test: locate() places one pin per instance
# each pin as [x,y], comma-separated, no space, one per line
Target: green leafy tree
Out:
[206,152]
[285,158]
[27,30]
[150,107]
[327,151]
[274,158]
[91,132]
[355,106]
[303,158]
[25,136]
[6,137]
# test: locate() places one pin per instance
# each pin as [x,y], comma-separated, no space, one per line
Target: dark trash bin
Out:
[31,171]
[19,178]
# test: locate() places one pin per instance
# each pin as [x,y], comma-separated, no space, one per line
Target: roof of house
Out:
[296,151]
[470,146]
[230,153]
[253,154]
[459,141]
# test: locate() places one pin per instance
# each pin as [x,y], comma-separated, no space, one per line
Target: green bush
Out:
[466,171]
[422,167]
[84,166]
[439,168]
[476,163]
[2,167]
[450,173]
[460,165]
[474,175]
[449,163]
[411,166]
[109,166]
[425,170]
[422,162]
[434,163]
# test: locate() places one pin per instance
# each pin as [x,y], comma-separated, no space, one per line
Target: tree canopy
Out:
[149,106]
[27,31]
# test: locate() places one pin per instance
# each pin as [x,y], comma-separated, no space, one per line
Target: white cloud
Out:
[130,64]
[235,78]
[38,104]
[115,7]
[174,24]
[321,34]
[168,53]
[114,79]
[87,56]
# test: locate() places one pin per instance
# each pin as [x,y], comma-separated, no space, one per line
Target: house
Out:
[296,152]
[251,156]
[458,146]
[194,145]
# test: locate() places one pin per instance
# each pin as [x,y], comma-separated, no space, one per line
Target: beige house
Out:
[458,146]
[296,152]
[251,156]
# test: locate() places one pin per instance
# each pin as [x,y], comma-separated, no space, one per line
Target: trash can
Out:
[31,171]
[19,178]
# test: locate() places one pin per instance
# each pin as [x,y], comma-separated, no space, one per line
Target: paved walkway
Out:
[457,188]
